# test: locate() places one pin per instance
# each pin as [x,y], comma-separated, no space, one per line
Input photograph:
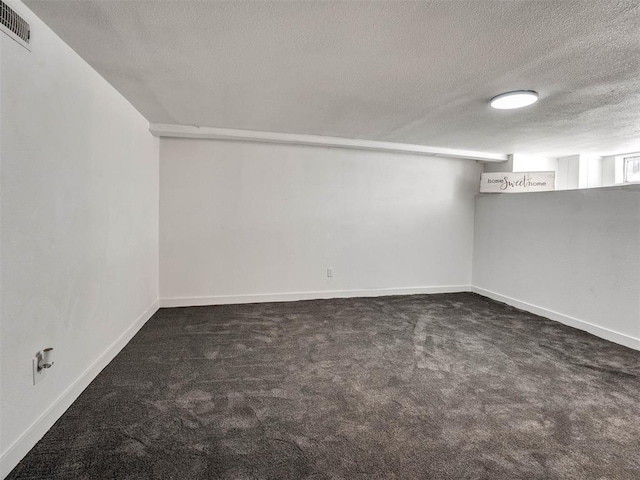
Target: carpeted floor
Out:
[451,386]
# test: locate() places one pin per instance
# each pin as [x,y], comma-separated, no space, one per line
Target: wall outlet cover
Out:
[38,374]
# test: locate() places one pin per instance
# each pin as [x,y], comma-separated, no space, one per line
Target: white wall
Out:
[570,255]
[240,220]
[79,229]
[609,171]
[522,163]
[590,171]
[528,163]
[568,174]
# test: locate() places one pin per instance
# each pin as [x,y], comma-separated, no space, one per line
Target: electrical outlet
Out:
[38,374]
[329,272]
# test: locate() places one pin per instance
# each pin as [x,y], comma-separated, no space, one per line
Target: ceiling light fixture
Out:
[516,99]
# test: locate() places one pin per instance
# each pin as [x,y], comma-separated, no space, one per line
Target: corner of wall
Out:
[16,451]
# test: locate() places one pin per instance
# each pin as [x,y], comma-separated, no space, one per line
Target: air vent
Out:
[14,25]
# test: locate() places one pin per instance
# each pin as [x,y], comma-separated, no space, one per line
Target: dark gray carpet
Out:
[449,386]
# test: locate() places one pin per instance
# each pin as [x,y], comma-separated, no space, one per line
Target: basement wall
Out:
[247,222]
[572,256]
[79,230]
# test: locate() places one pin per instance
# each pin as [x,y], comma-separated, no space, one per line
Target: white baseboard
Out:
[14,453]
[291,297]
[602,332]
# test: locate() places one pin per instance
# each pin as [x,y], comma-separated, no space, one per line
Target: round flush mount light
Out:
[516,99]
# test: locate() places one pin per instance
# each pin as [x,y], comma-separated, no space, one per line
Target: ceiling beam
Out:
[188,131]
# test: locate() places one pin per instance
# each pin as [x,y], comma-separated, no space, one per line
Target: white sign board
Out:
[514,182]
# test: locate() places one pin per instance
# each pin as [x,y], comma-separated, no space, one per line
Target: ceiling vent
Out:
[14,25]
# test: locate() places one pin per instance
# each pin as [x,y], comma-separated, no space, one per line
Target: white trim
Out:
[189,131]
[294,296]
[12,455]
[602,332]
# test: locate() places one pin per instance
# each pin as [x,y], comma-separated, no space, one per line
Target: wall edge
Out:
[602,332]
[310,295]
[10,458]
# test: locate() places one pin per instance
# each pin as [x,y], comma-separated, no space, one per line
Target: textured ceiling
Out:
[410,72]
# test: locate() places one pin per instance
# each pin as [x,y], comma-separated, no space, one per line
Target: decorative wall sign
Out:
[514,182]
